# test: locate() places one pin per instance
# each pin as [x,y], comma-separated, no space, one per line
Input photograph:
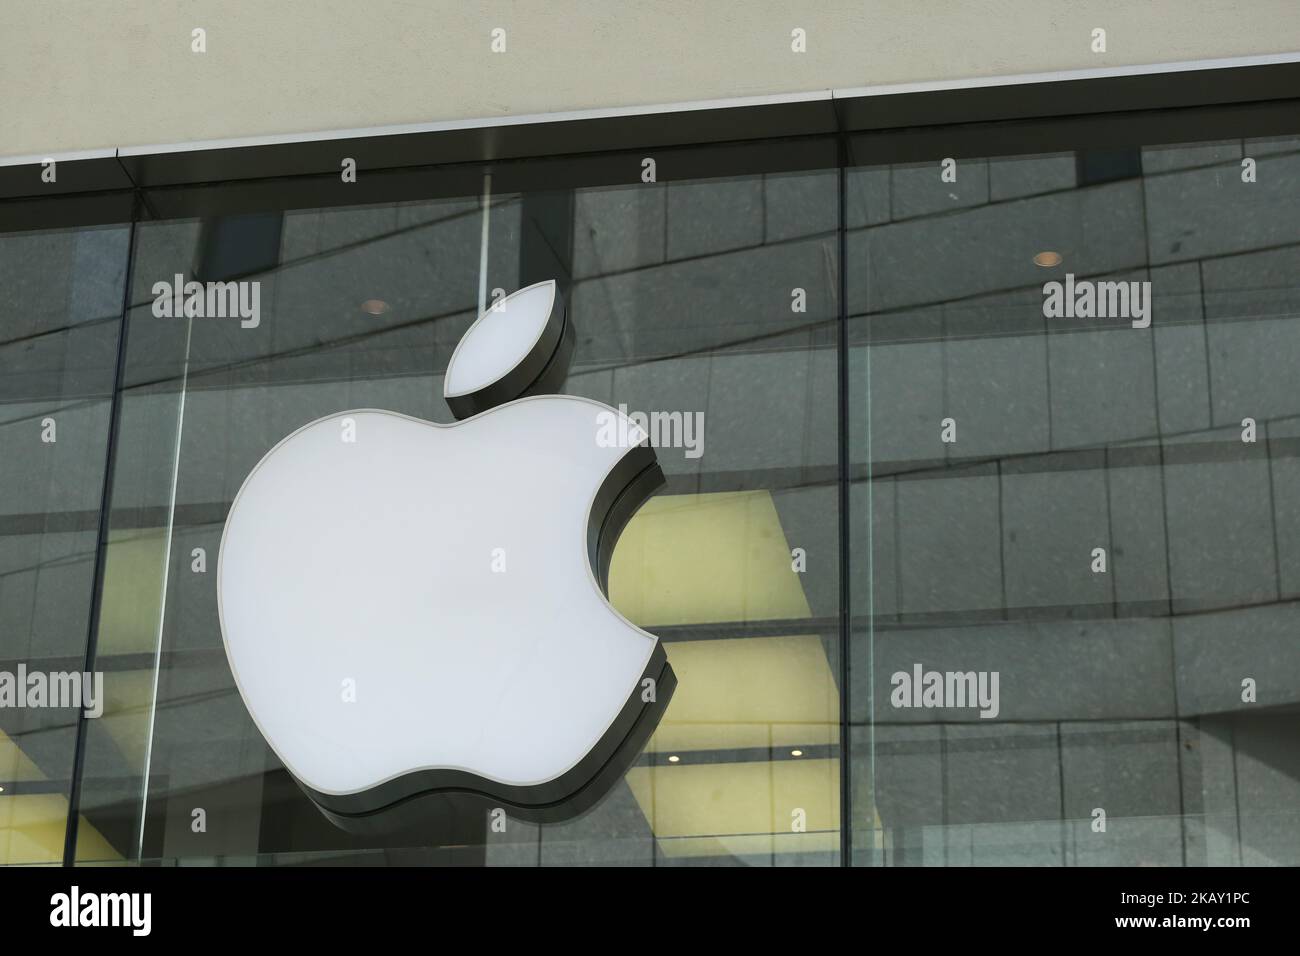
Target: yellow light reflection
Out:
[715,558]
[704,559]
[32,827]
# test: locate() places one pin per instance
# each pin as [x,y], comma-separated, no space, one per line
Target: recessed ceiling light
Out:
[796,753]
[374,306]
[674,758]
[1047,259]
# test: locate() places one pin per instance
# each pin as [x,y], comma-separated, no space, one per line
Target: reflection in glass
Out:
[1105,525]
[680,296]
[59,327]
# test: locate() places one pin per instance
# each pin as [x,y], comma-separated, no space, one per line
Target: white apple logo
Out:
[410,607]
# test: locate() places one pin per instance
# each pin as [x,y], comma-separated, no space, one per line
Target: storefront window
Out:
[59,327]
[982,468]
[683,295]
[1090,508]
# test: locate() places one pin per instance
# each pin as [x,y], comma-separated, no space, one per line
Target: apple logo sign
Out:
[413,609]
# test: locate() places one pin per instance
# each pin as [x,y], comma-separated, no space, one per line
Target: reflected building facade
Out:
[906,464]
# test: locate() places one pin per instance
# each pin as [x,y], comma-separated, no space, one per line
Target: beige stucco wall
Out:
[85,74]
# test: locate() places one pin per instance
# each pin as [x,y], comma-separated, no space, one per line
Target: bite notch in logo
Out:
[415,609]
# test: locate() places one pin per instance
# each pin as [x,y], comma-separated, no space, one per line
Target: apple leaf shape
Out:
[411,609]
[519,346]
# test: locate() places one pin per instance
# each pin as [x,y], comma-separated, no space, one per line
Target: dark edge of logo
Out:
[405,801]
[541,371]
[463,795]
[634,479]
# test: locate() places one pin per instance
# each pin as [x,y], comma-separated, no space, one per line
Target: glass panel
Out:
[59,326]
[1073,574]
[689,291]
[1073,577]
[713,300]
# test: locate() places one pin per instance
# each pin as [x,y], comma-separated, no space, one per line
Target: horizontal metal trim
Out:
[1061,76]
[72,156]
[492,122]
[659,126]
[728,103]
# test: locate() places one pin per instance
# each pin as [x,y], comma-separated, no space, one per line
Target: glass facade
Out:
[946,580]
